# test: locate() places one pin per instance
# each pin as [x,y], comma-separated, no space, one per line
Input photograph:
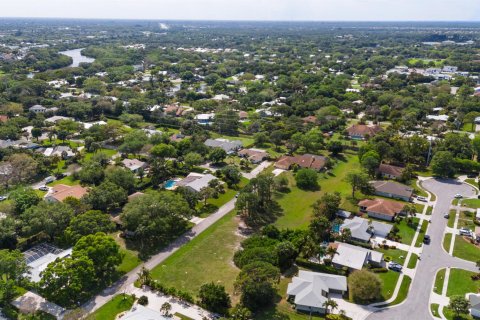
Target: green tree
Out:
[443,164]
[213,297]
[231,175]
[364,286]
[370,161]
[459,305]
[307,179]
[359,182]
[286,254]
[36,133]
[90,222]
[68,282]
[192,159]
[156,218]
[49,217]
[328,205]
[122,177]
[91,173]
[107,196]
[23,199]
[104,253]
[133,142]
[335,147]
[163,150]
[217,155]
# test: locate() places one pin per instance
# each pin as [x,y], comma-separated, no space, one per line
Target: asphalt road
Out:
[433,258]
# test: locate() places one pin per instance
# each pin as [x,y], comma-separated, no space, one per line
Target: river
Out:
[76,55]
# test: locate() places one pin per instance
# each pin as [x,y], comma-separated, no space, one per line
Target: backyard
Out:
[297,204]
[460,283]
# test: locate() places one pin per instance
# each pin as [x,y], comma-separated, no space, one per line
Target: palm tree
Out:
[165,309]
[331,251]
[330,304]
[144,276]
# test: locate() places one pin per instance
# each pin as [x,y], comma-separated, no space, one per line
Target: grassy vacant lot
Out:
[111,309]
[472,203]
[110,153]
[423,230]
[446,241]
[439,278]
[460,283]
[247,141]
[297,204]
[463,249]
[206,258]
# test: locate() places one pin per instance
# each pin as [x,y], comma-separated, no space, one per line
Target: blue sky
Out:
[290,10]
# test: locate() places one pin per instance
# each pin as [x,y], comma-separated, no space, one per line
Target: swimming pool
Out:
[170,184]
[336,228]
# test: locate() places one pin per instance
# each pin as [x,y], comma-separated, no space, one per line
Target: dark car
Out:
[426,239]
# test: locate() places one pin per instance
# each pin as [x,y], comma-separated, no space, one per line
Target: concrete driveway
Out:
[433,257]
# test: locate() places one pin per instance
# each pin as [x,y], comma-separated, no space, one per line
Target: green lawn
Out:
[129,262]
[419,207]
[297,204]
[466,220]
[111,309]
[412,263]
[403,292]
[206,258]
[471,203]
[460,283]
[396,255]
[451,218]
[434,309]
[110,153]
[472,182]
[439,279]
[182,316]
[214,203]
[450,315]
[463,249]
[406,231]
[429,210]
[447,241]
[68,180]
[247,141]
[389,281]
[423,230]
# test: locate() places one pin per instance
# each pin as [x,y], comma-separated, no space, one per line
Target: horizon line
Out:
[242,20]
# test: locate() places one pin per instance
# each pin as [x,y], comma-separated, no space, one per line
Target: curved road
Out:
[433,258]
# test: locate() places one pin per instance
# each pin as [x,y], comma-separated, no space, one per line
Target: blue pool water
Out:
[170,184]
[336,228]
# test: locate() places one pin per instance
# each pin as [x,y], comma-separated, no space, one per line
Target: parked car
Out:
[3,198]
[458,196]
[423,199]
[49,179]
[43,188]
[394,266]
[446,215]
[465,232]
[426,239]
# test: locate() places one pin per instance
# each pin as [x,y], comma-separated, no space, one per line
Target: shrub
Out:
[143,300]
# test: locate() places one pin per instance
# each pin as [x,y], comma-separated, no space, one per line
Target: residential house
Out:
[134,164]
[388,171]
[37,109]
[381,209]
[363,230]
[230,147]
[242,115]
[3,118]
[474,299]
[394,190]
[310,290]
[40,256]
[310,119]
[354,257]
[64,152]
[254,155]
[196,181]
[303,161]
[363,131]
[60,192]
[56,119]
[205,118]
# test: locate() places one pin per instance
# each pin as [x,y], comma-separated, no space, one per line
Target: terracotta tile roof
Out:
[382,206]
[310,119]
[303,161]
[363,130]
[61,191]
[390,170]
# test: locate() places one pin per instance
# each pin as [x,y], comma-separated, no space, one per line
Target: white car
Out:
[458,196]
[395,266]
[423,199]
[465,232]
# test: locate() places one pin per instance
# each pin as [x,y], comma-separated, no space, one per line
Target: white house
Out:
[139,312]
[354,257]
[310,290]
[474,300]
[196,181]
[37,109]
